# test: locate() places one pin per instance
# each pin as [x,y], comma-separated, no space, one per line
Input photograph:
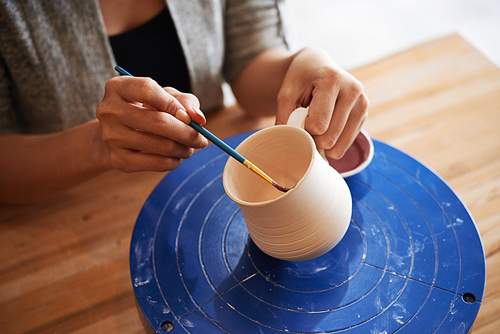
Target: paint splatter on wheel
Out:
[411,260]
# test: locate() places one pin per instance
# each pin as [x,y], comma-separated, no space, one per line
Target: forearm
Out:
[34,167]
[257,86]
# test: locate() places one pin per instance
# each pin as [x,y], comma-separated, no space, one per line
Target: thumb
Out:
[285,109]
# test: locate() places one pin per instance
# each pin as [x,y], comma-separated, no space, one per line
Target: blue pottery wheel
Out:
[411,261]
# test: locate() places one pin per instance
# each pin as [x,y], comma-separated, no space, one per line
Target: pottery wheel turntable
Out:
[411,261]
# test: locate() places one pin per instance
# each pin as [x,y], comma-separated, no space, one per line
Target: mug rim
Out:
[261,133]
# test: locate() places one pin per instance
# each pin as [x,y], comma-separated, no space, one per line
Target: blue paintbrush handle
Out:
[219,143]
[207,134]
[122,71]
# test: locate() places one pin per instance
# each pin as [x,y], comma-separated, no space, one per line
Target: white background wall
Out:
[358,32]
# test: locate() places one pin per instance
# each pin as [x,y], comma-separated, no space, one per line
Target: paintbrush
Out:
[223,146]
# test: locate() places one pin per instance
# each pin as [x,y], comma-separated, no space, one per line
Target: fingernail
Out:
[336,154]
[183,116]
[198,111]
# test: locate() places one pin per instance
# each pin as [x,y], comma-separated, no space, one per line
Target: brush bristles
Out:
[259,172]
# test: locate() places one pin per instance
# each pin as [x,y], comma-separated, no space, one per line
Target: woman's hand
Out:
[139,126]
[336,101]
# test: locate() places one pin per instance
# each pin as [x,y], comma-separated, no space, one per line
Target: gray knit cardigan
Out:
[55,56]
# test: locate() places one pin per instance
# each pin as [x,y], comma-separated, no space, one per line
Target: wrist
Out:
[98,150]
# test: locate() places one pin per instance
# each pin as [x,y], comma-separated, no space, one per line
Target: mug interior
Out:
[283,152]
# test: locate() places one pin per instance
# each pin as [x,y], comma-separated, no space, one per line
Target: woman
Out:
[57,60]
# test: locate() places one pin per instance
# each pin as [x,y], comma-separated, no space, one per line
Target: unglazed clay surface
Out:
[303,223]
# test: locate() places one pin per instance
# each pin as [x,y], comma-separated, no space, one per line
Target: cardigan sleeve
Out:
[8,123]
[54,63]
[252,27]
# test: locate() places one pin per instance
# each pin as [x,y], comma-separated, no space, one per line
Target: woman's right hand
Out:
[139,125]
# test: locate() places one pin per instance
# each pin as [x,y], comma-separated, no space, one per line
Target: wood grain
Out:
[64,261]
[440,103]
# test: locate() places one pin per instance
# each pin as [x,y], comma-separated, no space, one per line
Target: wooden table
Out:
[64,262]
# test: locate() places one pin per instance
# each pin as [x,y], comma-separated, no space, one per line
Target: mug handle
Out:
[298,119]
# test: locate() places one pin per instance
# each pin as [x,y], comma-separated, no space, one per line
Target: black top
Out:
[153,50]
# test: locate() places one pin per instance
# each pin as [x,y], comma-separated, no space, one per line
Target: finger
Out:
[351,130]
[145,91]
[289,99]
[129,161]
[190,103]
[342,111]
[322,107]
[150,143]
[332,131]
[170,127]
[285,108]
[116,115]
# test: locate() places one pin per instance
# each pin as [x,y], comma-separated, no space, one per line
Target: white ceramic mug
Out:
[303,223]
